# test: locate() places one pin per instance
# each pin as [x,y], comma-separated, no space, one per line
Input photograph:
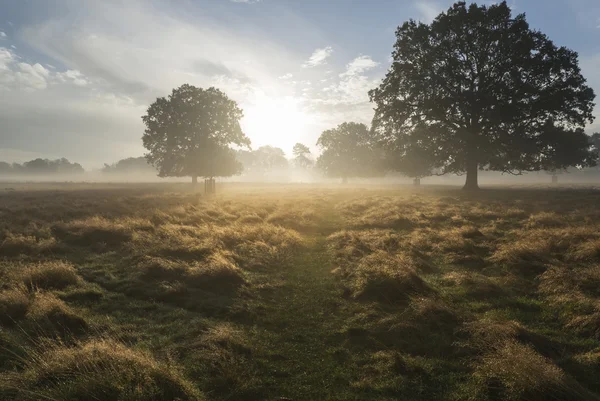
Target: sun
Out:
[277,121]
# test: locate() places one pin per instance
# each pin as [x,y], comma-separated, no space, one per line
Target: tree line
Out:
[475,89]
[41,167]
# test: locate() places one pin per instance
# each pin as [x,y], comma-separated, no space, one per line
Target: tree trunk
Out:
[194,180]
[472,170]
[344,180]
[554,179]
[417,182]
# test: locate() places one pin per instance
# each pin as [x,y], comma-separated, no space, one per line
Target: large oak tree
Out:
[476,88]
[190,132]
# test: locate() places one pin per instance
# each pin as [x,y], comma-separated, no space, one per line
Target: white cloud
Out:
[428,10]
[73,76]
[318,57]
[2,34]
[286,76]
[17,75]
[359,65]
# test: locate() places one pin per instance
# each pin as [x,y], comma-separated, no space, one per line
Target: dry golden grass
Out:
[50,317]
[102,370]
[382,277]
[513,371]
[19,244]
[431,290]
[47,275]
[13,305]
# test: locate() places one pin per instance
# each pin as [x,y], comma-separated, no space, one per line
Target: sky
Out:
[77,75]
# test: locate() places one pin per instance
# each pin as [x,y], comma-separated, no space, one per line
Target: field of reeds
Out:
[153,292]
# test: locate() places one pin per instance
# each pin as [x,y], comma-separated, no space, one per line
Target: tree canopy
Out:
[190,133]
[476,88]
[349,151]
[302,156]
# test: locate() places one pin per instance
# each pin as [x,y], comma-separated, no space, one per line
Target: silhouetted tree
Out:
[189,133]
[474,89]
[302,156]
[349,151]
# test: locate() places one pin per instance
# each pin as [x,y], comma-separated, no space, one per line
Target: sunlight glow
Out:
[275,120]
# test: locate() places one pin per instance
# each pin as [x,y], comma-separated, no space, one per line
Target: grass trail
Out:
[300,329]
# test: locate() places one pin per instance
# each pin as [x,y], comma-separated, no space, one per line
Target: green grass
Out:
[299,293]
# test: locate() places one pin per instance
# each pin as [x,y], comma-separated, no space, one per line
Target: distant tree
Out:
[562,148]
[37,166]
[474,88]
[5,168]
[46,166]
[406,157]
[131,165]
[349,151]
[302,157]
[595,142]
[269,158]
[189,133]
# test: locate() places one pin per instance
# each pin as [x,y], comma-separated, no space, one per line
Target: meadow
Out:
[152,292]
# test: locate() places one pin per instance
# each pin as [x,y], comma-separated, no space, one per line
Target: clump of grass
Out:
[18,244]
[474,284]
[432,312]
[97,230]
[260,246]
[528,255]
[587,325]
[48,275]
[545,220]
[294,217]
[102,370]
[50,317]
[385,278]
[350,246]
[157,268]
[513,371]
[222,353]
[250,219]
[217,273]
[13,305]
[585,251]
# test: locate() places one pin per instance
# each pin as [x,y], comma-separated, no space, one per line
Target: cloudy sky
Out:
[77,75]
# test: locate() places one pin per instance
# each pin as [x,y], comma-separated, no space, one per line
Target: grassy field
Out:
[150,292]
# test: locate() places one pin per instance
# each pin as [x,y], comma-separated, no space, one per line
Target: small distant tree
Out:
[302,156]
[474,89]
[5,168]
[267,158]
[408,158]
[130,165]
[189,134]
[562,148]
[349,151]
[595,142]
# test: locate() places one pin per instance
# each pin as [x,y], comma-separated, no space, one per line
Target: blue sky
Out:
[76,75]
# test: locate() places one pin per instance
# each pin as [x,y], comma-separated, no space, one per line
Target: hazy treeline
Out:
[41,167]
